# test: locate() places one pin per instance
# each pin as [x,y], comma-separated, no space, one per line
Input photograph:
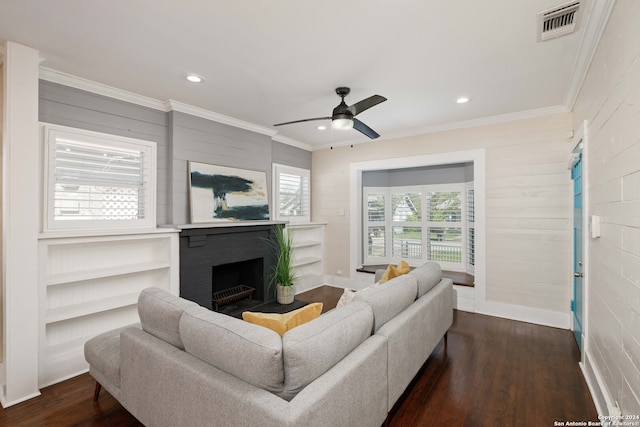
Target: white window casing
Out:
[97,181]
[291,194]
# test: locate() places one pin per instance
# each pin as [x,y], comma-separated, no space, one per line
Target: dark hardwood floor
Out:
[495,372]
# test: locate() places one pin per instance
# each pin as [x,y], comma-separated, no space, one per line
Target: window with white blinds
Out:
[418,223]
[98,181]
[445,225]
[376,224]
[292,190]
[471,228]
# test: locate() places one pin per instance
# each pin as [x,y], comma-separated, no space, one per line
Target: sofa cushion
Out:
[393,272]
[312,349]
[247,351]
[281,323]
[102,352]
[427,275]
[160,313]
[389,299]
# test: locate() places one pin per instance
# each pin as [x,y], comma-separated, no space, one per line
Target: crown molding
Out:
[100,89]
[598,18]
[216,117]
[65,79]
[292,142]
[485,121]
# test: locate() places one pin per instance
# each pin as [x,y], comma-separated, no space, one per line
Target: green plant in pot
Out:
[283,276]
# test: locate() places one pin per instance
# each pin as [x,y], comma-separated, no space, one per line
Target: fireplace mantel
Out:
[224,224]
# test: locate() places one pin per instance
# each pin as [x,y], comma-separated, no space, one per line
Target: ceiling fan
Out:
[343,116]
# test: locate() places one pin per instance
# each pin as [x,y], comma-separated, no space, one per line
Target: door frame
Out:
[581,137]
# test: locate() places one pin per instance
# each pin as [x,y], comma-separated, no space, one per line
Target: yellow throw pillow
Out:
[391,272]
[282,323]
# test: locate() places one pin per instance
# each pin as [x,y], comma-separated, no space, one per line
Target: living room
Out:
[524,211]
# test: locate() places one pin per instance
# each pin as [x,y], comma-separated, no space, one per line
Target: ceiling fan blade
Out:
[365,104]
[361,127]
[303,120]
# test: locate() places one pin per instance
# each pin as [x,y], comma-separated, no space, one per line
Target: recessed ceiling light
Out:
[321,127]
[462,100]
[194,78]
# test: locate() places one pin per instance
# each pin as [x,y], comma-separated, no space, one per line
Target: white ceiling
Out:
[267,62]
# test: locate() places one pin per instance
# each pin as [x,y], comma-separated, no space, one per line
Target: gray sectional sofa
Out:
[186,365]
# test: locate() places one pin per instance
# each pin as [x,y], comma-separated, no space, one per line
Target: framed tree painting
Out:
[219,193]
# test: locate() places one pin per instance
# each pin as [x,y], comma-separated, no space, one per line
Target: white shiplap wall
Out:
[528,207]
[528,220]
[610,102]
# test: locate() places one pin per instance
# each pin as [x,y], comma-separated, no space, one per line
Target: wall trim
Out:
[21,222]
[539,316]
[172,105]
[292,142]
[598,18]
[599,394]
[65,79]
[484,121]
[476,156]
[100,89]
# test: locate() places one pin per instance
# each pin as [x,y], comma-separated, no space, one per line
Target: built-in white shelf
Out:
[90,284]
[301,262]
[308,247]
[307,243]
[77,276]
[86,308]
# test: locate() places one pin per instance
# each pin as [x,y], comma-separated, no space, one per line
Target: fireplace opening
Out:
[237,286]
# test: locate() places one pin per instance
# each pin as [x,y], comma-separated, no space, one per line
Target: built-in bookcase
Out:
[89,285]
[308,241]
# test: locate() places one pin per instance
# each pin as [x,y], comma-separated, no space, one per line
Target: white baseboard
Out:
[537,316]
[464,298]
[599,393]
[6,404]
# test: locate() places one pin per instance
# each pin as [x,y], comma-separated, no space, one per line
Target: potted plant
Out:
[283,275]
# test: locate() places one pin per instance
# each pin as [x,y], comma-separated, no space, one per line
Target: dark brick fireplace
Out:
[214,259]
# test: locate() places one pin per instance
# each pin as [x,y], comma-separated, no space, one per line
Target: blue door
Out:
[578,291]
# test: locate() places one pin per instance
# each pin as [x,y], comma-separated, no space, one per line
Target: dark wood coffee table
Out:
[327,295]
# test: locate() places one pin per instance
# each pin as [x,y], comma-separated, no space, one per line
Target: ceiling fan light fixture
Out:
[342,123]
[343,116]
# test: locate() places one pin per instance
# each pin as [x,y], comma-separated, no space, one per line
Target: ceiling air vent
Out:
[558,21]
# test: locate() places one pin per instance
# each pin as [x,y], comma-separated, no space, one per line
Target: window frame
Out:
[425,224]
[51,133]
[448,188]
[278,169]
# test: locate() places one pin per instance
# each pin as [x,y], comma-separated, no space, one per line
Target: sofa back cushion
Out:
[389,299]
[312,349]
[427,275]
[247,351]
[160,314]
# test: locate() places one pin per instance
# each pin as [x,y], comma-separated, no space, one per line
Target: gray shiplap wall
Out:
[67,106]
[180,138]
[205,141]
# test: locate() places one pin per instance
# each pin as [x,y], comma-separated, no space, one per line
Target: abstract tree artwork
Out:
[220,193]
